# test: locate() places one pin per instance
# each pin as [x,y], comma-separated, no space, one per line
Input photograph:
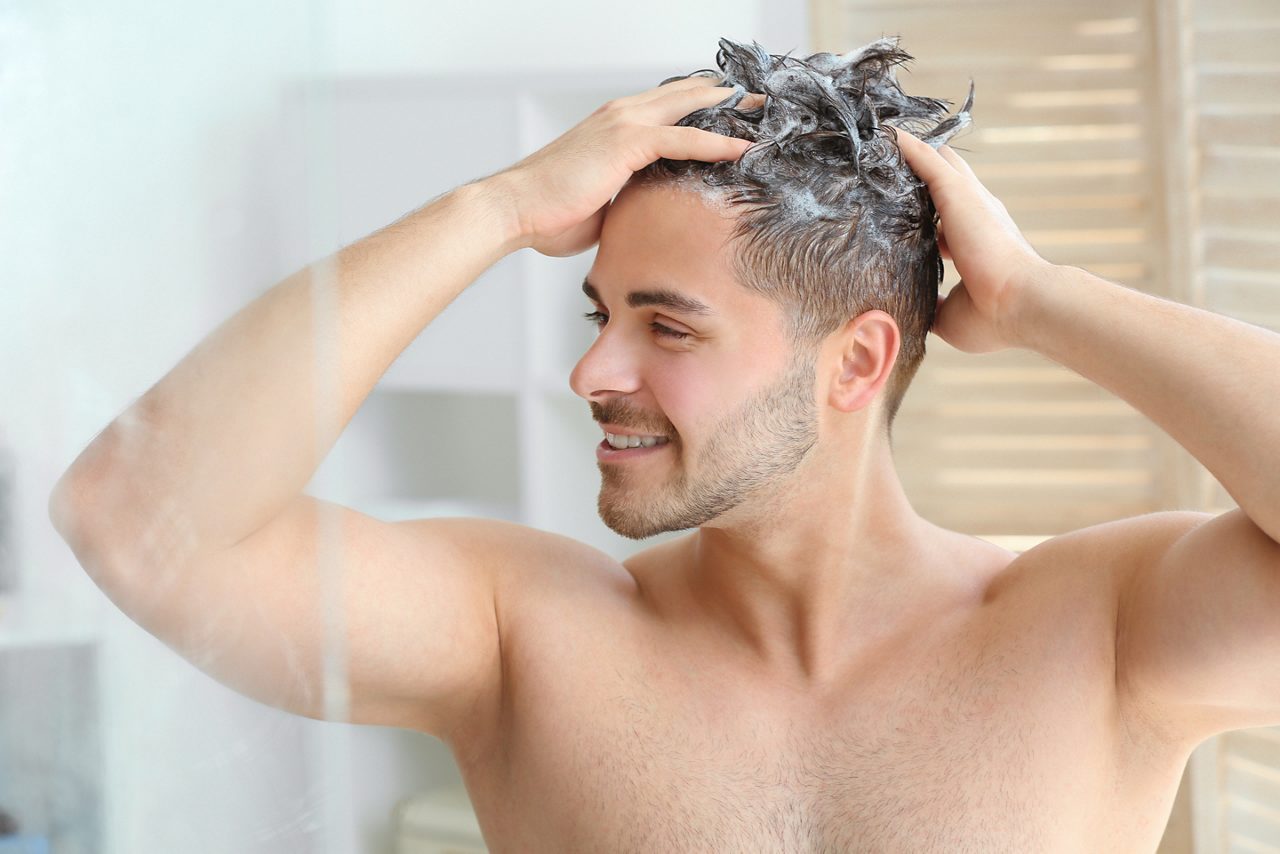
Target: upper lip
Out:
[623,431]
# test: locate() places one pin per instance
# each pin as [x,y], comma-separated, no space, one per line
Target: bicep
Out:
[326,601]
[1199,623]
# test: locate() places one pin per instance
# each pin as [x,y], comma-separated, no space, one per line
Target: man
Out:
[815,667]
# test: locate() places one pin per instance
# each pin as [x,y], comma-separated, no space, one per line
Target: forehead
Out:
[664,236]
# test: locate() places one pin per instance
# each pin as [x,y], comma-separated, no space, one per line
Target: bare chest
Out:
[995,731]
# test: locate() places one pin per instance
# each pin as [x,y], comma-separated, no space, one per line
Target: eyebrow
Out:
[664,297]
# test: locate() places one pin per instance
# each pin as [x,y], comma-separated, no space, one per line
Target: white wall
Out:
[134,202]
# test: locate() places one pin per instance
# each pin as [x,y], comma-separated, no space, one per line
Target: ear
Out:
[867,348]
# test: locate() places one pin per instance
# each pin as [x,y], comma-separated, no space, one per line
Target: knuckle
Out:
[613,105]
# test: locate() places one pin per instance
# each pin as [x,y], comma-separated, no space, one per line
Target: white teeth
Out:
[623,442]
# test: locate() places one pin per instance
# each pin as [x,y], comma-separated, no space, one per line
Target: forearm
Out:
[1211,382]
[236,430]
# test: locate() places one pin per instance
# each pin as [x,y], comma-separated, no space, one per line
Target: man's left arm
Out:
[1199,614]
[1198,608]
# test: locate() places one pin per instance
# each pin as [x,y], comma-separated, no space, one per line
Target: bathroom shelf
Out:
[22,628]
[438,821]
[51,736]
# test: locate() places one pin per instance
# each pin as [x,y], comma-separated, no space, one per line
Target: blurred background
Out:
[163,164]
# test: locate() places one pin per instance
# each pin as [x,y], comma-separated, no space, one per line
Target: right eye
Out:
[600,318]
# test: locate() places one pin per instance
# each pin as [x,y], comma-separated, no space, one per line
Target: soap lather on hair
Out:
[828,107]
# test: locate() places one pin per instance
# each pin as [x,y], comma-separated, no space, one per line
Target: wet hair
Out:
[832,222]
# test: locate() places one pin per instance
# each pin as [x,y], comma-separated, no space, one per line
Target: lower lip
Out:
[606,453]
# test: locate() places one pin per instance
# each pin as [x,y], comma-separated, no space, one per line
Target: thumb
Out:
[949,308]
[576,239]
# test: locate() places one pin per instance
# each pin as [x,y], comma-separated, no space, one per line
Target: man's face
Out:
[736,404]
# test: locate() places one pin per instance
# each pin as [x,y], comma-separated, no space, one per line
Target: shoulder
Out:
[522,557]
[1114,547]
[1100,561]
[539,581]
[1097,566]
[1085,573]
[541,576]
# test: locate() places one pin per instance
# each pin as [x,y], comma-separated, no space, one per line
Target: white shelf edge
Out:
[24,627]
[433,387]
[444,809]
[557,386]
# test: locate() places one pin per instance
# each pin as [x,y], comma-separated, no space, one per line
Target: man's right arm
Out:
[188,511]
[232,434]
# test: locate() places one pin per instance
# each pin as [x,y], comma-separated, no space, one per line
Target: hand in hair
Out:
[995,262]
[561,191]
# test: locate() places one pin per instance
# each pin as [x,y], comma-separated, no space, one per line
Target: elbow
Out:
[71,509]
[63,506]
[83,495]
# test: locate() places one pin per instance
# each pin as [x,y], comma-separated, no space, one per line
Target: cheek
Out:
[694,399]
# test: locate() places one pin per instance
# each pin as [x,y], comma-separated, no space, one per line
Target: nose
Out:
[607,368]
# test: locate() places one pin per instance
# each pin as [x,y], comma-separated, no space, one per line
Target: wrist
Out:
[491,196]
[1029,301]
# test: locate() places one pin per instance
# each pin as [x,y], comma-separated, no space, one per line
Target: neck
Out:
[832,561]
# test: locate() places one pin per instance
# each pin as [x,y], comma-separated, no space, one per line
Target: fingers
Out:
[924,160]
[697,82]
[689,143]
[950,155]
[687,83]
[931,163]
[670,106]
[750,101]
[686,143]
[660,108]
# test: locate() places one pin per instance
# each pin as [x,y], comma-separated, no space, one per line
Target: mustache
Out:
[625,417]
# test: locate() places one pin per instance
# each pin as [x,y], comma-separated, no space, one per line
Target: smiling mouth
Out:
[607,453]
[622,443]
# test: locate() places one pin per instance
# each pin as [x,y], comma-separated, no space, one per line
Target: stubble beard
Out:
[752,452]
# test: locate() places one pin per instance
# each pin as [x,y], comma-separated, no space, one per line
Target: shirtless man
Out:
[814,668]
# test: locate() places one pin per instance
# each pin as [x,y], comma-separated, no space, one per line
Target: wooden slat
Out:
[1209,14]
[1250,822]
[939,80]
[1252,775]
[1240,172]
[1244,125]
[1088,216]
[1021,515]
[999,145]
[1241,87]
[1241,251]
[1250,41]
[1232,293]
[1224,212]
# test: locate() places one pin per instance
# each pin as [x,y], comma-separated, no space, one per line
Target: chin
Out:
[625,528]
[629,513]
